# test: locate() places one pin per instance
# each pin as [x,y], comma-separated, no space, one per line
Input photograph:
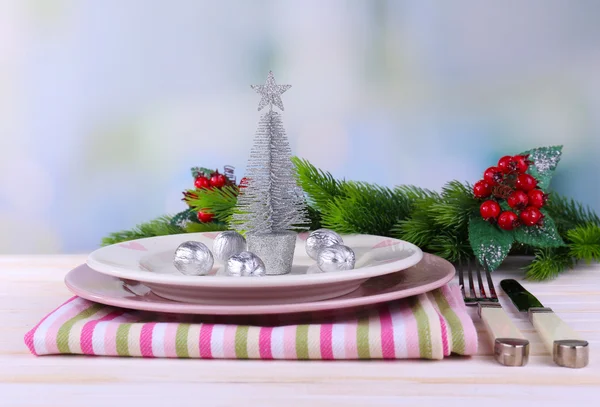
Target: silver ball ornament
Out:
[336,258]
[319,239]
[193,259]
[227,244]
[245,264]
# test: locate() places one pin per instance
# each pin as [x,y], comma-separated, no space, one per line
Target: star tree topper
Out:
[271,93]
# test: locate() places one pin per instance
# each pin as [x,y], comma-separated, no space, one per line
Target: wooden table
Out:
[31,286]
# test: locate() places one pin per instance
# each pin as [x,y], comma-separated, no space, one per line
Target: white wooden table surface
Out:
[31,286]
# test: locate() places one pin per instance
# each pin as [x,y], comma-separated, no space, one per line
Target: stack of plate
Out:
[140,275]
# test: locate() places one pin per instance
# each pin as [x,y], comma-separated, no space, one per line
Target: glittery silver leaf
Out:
[545,161]
[183,219]
[490,244]
[271,93]
[491,255]
[272,201]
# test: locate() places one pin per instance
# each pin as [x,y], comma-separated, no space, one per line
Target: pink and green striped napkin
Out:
[429,326]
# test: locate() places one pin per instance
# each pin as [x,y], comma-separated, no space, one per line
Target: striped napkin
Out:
[428,326]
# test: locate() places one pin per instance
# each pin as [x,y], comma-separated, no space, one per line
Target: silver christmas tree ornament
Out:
[272,205]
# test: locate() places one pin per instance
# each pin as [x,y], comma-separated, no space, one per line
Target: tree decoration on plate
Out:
[271,207]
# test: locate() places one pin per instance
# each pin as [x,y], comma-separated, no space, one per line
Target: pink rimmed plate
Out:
[430,273]
[150,262]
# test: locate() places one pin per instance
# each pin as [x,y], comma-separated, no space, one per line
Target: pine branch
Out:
[205,227]
[453,210]
[366,208]
[452,247]
[218,201]
[420,228]
[439,222]
[408,197]
[158,227]
[315,218]
[549,263]
[568,213]
[320,186]
[414,193]
[356,207]
[584,242]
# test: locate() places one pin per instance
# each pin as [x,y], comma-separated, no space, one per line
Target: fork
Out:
[510,346]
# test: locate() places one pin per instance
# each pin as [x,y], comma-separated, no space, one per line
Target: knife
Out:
[568,349]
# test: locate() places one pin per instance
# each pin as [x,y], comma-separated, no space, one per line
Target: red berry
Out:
[243,183]
[492,175]
[506,164]
[482,189]
[537,198]
[489,210]
[521,163]
[531,216]
[205,217]
[508,220]
[218,180]
[517,200]
[201,182]
[526,182]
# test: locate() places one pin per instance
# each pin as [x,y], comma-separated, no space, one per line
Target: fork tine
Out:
[461,281]
[493,294]
[471,284]
[479,279]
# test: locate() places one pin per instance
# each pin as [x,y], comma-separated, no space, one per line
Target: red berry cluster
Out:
[509,181]
[214,180]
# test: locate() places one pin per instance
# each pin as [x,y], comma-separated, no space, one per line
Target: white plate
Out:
[430,273]
[150,261]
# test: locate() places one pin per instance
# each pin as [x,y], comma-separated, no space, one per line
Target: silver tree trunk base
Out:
[275,249]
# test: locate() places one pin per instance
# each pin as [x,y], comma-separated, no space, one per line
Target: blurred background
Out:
[105,105]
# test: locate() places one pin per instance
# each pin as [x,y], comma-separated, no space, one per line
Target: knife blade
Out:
[565,345]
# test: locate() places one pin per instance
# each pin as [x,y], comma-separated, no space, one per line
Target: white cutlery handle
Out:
[566,346]
[510,346]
